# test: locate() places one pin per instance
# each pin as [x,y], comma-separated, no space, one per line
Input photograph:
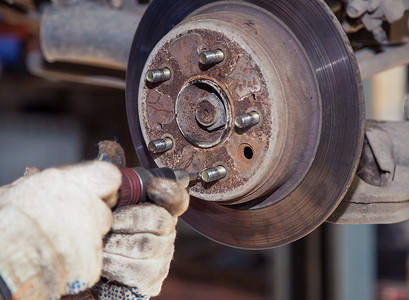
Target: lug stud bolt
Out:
[211,57]
[158,75]
[247,120]
[213,174]
[161,145]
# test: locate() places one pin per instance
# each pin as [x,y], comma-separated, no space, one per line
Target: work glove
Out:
[51,227]
[139,248]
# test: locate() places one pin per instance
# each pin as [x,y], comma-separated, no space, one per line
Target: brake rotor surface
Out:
[290,62]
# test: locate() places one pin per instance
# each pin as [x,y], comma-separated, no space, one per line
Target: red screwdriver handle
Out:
[130,191]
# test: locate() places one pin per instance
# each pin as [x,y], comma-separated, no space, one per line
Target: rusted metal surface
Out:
[211,112]
[250,78]
[206,112]
[188,108]
[289,61]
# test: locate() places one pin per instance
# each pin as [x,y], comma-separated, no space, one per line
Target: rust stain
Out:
[243,86]
[160,109]
[245,79]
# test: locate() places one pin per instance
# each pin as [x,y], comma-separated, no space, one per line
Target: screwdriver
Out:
[133,186]
[134,180]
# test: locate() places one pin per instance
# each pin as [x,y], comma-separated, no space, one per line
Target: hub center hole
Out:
[202,113]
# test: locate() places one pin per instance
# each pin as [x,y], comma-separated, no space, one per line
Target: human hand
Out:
[52,224]
[140,247]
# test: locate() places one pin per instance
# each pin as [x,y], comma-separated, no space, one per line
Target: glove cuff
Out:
[116,291]
[4,290]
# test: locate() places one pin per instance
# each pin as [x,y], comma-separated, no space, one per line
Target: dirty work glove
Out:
[138,250]
[51,228]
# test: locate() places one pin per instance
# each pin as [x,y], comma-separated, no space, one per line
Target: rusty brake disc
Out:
[286,63]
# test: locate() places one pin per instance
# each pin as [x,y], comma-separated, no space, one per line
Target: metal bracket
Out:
[380,194]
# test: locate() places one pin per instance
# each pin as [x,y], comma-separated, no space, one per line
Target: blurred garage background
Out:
[46,122]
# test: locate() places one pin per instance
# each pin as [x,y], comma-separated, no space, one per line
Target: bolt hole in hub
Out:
[267,110]
[248,152]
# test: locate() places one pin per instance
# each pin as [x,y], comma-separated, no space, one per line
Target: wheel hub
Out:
[268,91]
[253,76]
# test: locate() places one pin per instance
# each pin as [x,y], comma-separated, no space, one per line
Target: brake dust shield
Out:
[288,61]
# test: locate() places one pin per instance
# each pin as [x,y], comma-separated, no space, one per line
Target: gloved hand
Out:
[140,246]
[52,224]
